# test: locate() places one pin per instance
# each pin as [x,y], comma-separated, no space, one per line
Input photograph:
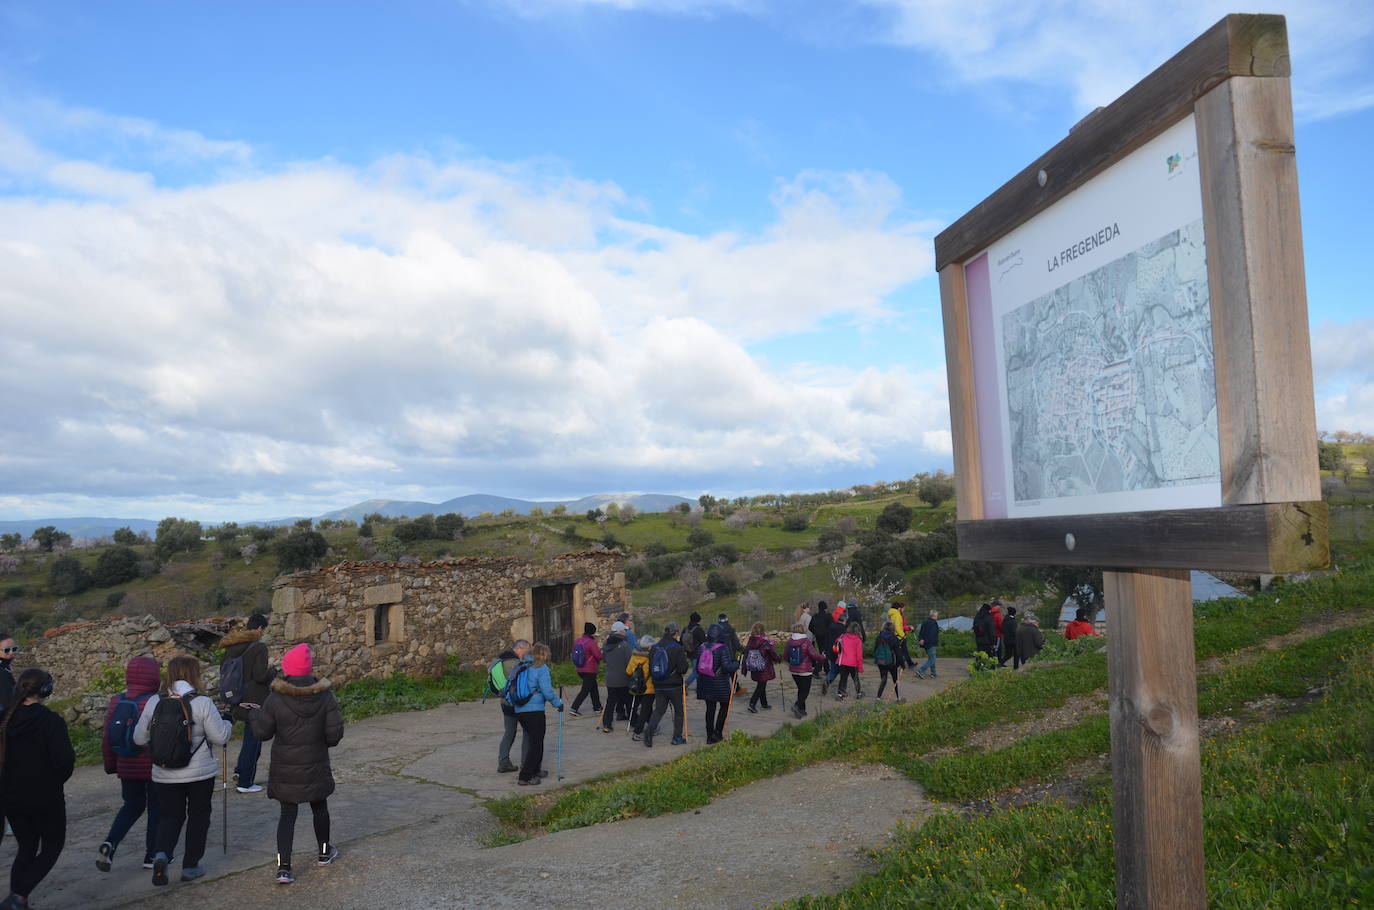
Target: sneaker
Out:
[543,774]
[636,737]
[679,740]
[328,853]
[191,873]
[920,675]
[284,876]
[533,782]
[160,869]
[752,710]
[798,713]
[148,861]
[766,706]
[506,767]
[104,856]
[574,712]
[839,696]
[858,695]
[251,788]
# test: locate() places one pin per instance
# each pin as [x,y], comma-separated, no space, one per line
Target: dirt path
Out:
[409,817]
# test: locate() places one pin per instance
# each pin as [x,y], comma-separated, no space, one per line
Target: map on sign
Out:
[1109,377]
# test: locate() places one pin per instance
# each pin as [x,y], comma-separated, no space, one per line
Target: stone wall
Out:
[466,610]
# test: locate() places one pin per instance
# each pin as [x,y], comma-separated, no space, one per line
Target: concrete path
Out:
[409,818]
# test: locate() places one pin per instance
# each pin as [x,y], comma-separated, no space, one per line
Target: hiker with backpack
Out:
[527,693]
[885,651]
[759,657]
[1009,652]
[833,633]
[586,660]
[498,674]
[130,761]
[301,718]
[819,627]
[244,675]
[896,614]
[928,637]
[640,687]
[667,668]
[616,652]
[716,668]
[850,651]
[803,661]
[985,631]
[692,639]
[731,639]
[36,759]
[180,728]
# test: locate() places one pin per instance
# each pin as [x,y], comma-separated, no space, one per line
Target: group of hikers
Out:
[646,677]
[167,743]
[1004,636]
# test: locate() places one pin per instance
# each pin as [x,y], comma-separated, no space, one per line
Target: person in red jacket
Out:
[997,628]
[1080,626]
[851,659]
[142,677]
[591,663]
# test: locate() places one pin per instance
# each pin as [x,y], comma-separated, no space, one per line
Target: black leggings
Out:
[847,673]
[803,690]
[760,693]
[286,827]
[40,834]
[884,673]
[589,688]
[716,713]
[534,724]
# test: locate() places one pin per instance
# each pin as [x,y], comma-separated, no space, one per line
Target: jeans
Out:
[189,804]
[803,690]
[589,687]
[138,794]
[246,769]
[508,738]
[662,699]
[40,835]
[534,725]
[286,827]
[929,665]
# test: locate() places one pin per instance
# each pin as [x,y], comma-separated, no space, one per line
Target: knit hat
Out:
[695,617]
[296,662]
[589,628]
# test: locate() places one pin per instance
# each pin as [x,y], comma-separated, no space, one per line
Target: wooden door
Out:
[553,619]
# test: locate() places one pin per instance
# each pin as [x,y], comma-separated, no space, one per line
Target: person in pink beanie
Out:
[301,718]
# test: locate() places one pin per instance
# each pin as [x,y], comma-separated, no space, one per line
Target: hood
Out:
[142,676]
[28,720]
[240,637]
[614,641]
[798,636]
[716,633]
[303,692]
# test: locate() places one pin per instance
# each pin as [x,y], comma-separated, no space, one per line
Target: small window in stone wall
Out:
[381,623]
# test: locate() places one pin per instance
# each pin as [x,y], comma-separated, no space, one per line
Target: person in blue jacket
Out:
[530,715]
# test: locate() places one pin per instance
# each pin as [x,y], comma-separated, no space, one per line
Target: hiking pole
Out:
[224,802]
[684,711]
[561,714]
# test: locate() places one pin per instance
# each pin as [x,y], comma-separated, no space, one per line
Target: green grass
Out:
[371,697]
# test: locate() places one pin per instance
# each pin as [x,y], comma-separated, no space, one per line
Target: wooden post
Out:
[1156,766]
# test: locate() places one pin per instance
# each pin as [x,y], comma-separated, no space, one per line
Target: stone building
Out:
[375,619]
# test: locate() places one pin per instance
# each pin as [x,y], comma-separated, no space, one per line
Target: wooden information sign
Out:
[1131,387]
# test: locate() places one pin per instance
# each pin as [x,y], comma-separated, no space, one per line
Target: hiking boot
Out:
[766,706]
[649,742]
[839,696]
[191,873]
[328,853]
[529,783]
[679,740]
[104,856]
[798,713]
[160,869]
[506,767]
[284,876]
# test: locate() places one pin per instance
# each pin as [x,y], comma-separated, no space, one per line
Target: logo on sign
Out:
[1174,161]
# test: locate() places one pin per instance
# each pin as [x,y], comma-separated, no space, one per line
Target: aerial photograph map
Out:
[1110,381]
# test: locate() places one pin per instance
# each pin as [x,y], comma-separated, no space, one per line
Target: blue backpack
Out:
[120,729]
[579,654]
[518,691]
[796,653]
[660,667]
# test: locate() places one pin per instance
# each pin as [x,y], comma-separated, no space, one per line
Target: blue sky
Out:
[267,261]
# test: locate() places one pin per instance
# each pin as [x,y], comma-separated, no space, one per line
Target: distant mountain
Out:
[79,527]
[469,506]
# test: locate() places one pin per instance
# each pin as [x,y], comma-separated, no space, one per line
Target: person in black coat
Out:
[1009,640]
[715,690]
[303,718]
[985,630]
[36,759]
[247,645]
[820,633]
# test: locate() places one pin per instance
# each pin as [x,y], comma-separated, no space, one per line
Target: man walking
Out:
[668,669]
[501,670]
[928,637]
[247,645]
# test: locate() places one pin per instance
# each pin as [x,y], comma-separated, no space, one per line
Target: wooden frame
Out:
[1233,79]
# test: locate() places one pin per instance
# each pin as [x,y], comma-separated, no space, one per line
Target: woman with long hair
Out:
[531,714]
[183,793]
[36,758]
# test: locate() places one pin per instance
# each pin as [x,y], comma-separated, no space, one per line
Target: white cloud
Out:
[1344,375]
[316,332]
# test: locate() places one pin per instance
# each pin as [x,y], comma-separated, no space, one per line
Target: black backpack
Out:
[231,681]
[170,732]
[639,683]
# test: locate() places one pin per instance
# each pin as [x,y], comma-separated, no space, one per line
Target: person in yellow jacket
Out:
[643,700]
[897,617]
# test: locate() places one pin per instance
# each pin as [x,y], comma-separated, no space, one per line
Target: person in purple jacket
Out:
[591,663]
[142,677]
[803,662]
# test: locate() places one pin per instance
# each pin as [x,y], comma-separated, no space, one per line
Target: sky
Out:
[265,259]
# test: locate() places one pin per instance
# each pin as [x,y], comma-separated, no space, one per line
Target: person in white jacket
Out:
[184,793]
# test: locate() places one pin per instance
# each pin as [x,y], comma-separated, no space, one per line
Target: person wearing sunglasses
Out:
[7,651]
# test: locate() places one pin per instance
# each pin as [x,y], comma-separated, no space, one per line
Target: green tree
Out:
[48,537]
[68,576]
[114,567]
[305,524]
[125,537]
[449,526]
[830,539]
[177,535]
[559,510]
[595,514]
[936,489]
[570,534]
[10,541]
[300,550]
[1329,456]
[894,518]
[700,537]
[795,521]
[721,584]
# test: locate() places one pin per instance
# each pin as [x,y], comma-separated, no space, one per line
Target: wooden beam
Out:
[963,407]
[1156,768]
[1266,411]
[1238,45]
[1270,538]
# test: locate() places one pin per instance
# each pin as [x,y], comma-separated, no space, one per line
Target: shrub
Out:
[177,535]
[721,584]
[700,537]
[656,548]
[895,518]
[449,526]
[936,489]
[125,537]
[67,576]
[300,550]
[114,567]
[796,521]
[830,539]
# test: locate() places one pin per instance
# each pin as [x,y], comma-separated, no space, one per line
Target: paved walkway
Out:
[409,818]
